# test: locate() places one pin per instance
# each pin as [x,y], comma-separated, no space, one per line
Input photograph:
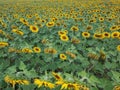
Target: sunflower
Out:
[101,19]
[63,57]
[115,34]
[34,28]
[37,49]
[75,40]
[74,28]
[89,27]
[98,36]
[118,47]
[86,34]
[57,76]
[18,32]
[113,28]
[64,38]
[26,50]
[106,34]
[92,20]
[61,33]
[50,24]
[3,44]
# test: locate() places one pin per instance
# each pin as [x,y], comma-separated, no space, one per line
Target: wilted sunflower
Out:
[63,57]
[115,34]
[106,34]
[86,34]
[89,27]
[118,47]
[50,24]
[74,28]
[37,49]
[34,28]
[75,40]
[64,38]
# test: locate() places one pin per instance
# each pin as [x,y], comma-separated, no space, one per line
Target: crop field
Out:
[59,44]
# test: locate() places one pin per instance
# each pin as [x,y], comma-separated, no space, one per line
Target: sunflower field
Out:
[59,44]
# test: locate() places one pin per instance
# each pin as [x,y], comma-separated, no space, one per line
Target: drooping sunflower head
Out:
[34,28]
[86,34]
[57,76]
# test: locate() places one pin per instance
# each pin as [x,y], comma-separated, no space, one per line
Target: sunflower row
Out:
[65,85]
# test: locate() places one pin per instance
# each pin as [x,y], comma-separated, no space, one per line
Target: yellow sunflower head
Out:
[113,28]
[37,49]
[74,28]
[98,36]
[50,24]
[101,19]
[63,57]
[86,34]
[106,34]
[61,33]
[64,38]
[34,28]
[115,34]
[118,47]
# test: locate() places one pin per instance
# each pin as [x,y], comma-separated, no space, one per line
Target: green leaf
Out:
[116,76]
[22,66]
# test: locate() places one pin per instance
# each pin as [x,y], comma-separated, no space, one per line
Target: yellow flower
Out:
[34,28]
[116,88]
[63,56]
[38,82]
[25,82]
[57,77]
[86,34]
[37,49]
[89,27]
[74,28]
[115,34]
[3,44]
[50,24]
[101,19]
[113,28]
[26,50]
[64,38]
[61,33]
[43,83]
[106,34]
[17,32]
[118,47]
[98,36]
